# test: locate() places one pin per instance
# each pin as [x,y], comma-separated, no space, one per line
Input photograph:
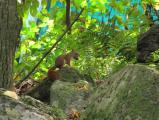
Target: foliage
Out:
[155,55]
[154,60]
[105,35]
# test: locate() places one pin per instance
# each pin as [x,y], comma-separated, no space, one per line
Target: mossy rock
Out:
[130,94]
[42,91]
[66,95]
[13,109]
[69,74]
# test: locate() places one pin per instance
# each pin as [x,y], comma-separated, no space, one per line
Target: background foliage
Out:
[105,35]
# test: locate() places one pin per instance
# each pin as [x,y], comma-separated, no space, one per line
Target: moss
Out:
[132,94]
[12,112]
[31,102]
[138,98]
[59,113]
[62,93]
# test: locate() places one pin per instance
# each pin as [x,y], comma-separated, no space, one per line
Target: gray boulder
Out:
[67,95]
[148,42]
[130,94]
[13,109]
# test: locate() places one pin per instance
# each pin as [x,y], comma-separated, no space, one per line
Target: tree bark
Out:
[68,13]
[10,26]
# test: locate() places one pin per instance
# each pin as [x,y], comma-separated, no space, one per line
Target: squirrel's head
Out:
[75,54]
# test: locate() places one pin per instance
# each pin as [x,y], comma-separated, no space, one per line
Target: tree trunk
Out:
[10,26]
[68,13]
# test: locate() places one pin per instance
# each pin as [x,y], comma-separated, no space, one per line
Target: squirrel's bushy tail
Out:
[53,74]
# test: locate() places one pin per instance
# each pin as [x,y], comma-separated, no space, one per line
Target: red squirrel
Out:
[60,62]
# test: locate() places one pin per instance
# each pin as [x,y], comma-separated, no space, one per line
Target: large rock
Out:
[66,74]
[130,94]
[148,43]
[13,109]
[67,96]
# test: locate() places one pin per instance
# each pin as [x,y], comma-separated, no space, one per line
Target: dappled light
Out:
[79,59]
